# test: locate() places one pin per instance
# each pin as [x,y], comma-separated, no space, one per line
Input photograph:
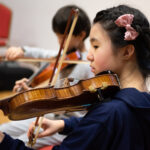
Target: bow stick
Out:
[53,78]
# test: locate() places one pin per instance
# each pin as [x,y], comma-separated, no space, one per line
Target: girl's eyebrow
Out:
[93,40]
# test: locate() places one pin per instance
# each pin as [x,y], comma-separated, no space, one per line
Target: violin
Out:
[47,72]
[36,102]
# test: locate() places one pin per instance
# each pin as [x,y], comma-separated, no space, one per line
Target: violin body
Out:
[40,101]
[47,72]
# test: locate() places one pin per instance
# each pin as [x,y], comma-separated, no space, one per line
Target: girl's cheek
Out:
[100,64]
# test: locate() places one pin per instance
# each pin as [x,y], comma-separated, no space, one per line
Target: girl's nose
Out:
[90,56]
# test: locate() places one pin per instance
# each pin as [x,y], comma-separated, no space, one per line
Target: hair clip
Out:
[126,21]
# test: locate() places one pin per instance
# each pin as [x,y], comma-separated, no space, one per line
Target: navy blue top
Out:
[120,124]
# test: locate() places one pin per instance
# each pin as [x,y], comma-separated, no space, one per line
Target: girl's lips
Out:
[92,69]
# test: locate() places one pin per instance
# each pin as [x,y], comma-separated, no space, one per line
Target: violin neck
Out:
[36,73]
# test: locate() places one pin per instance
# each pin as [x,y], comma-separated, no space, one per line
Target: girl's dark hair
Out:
[60,19]
[140,23]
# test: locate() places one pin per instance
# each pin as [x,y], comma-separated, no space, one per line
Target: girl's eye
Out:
[95,46]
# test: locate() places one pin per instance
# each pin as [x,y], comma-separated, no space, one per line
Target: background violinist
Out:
[18,129]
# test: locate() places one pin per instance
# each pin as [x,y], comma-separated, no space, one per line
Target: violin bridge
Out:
[67,82]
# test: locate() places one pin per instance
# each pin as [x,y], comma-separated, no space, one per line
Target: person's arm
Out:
[83,136]
[13,53]
[70,124]
[94,131]
[8,143]
[38,52]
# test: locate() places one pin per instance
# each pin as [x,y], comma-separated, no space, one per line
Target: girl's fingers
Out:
[44,133]
[24,80]
[16,87]
[25,86]
[21,84]
[31,129]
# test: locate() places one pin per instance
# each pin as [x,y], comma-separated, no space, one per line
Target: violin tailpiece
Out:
[104,85]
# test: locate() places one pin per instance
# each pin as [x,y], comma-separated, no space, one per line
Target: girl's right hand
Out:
[49,127]
[21,84]
[13,53]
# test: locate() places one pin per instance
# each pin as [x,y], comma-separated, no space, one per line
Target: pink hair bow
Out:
[126,21]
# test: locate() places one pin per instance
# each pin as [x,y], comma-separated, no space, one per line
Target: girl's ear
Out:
[127,52]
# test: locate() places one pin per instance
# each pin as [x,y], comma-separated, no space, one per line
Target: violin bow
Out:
[65,48]
[28,59]
[53,77]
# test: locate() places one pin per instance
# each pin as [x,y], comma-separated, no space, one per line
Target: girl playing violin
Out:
[18,129]
[119,39]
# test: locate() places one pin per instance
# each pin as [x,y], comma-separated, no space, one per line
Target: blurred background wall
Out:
[31,20]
